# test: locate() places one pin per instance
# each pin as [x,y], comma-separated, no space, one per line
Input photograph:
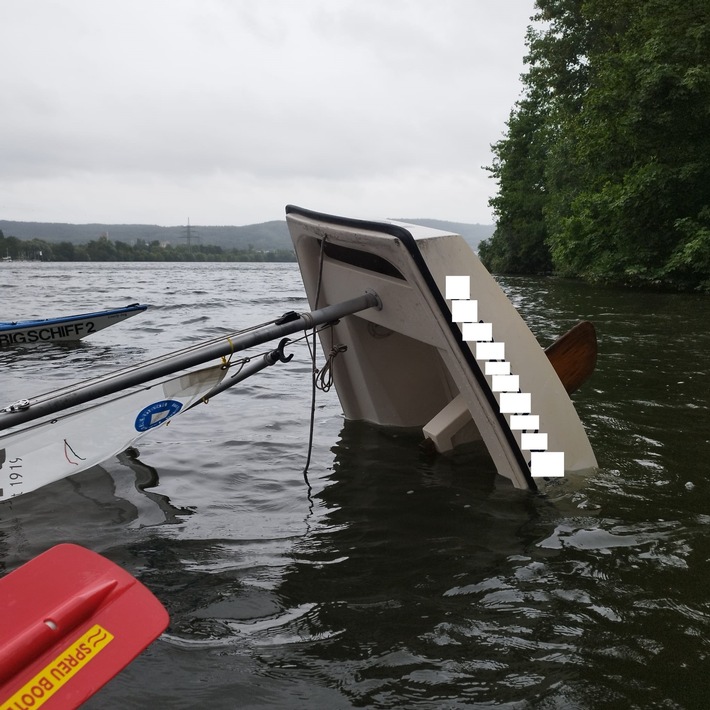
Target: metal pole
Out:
[29,410]
[247,370]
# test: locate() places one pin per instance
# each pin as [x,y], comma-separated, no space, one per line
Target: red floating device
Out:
[71,620]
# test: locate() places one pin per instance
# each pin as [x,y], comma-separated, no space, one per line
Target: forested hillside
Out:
[604,170]
[263,236]
[268,241]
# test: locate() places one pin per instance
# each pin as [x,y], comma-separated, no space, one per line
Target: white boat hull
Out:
[408,364]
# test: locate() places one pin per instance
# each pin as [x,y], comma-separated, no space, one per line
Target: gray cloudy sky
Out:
[224,111]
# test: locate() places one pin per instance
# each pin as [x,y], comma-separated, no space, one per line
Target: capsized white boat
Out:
[447,352]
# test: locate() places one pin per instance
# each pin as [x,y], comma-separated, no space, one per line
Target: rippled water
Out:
[398,580]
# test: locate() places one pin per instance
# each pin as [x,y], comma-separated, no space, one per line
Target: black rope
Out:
[324,378]
[312,349]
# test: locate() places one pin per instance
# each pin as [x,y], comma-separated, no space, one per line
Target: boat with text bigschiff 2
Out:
[64,328]
[446,353]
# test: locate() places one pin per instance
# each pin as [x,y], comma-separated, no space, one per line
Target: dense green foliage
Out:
[605,167]
[104,249]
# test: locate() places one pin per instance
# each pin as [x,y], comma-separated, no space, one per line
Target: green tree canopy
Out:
[614,121]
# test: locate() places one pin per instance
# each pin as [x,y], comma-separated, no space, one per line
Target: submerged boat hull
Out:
[416,362]
[65,328]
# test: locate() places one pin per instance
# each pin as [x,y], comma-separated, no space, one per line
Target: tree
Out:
[556,80]
[101,249]
[621,95]
[636,210]
[518,244]
[63,251]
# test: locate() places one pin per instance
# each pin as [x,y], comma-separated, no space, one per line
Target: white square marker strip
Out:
[464,311]
[490,351]
[547,464]
[533,442]
[512,402]
[493,367]
[458,287]
[515,403]
[477,331]
[505,383]
[525,422]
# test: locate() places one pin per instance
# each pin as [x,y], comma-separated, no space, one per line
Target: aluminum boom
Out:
[89,390]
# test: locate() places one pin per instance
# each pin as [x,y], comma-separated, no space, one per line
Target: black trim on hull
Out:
[361,259]
[411,245]
[382,227]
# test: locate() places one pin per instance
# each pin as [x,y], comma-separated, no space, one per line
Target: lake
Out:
[384,577]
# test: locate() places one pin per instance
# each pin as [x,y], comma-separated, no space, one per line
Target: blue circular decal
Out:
[155,414]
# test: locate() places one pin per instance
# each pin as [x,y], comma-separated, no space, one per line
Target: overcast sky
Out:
[224,111]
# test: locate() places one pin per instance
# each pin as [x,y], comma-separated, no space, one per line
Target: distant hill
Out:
[265,236]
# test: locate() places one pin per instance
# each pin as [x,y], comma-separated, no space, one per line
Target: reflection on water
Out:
[417,584]
[403,580]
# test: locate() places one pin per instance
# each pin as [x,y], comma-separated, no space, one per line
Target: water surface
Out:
[397,579]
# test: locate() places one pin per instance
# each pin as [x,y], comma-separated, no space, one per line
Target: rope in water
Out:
[312,349]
